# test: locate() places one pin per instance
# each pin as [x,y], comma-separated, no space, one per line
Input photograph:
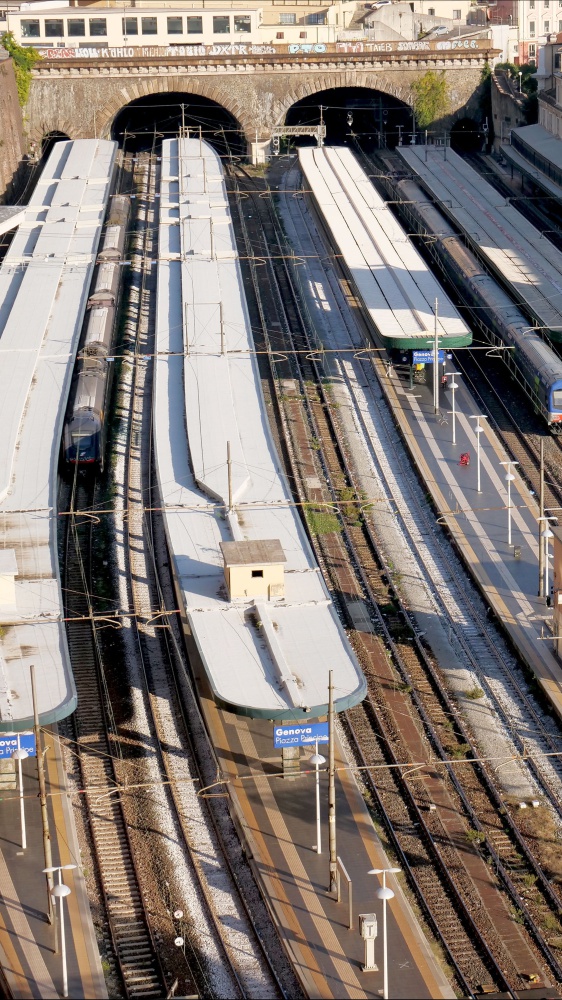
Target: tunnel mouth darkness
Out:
[466,136]
[146,122]
[377,118]
[48,141]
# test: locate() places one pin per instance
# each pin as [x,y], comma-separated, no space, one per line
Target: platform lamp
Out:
[453,386]
[317,759]
[509,477]
[19,755]
[546,535]
[49,871]
[478,430]
[384,893]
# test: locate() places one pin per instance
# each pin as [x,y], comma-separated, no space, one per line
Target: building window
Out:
[457,14]
[302,34]
[221,25]
[557,61]
[547,3]
[280,34]
[431,12]
[560,26]
[175,25]
[532,25]
[54,27]
[195,25]
[149,25]
[76,27]
[532,51]
[98,26]
[130,26]
[531,4]
[287,19]
[316,19]
[30,29]
[257,573]
[242,22]
[546,27]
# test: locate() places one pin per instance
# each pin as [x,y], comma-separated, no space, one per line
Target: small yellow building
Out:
[254,568]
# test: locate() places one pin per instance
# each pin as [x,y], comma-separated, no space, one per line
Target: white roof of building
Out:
[395,284]
[44,284]
[279,668]
[547,146]
[10,217]
[513,247]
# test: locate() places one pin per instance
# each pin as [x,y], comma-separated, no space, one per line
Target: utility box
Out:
[254,568]
[368,931]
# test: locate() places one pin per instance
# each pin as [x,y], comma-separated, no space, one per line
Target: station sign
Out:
[300,736]
[426,357]
[11,741]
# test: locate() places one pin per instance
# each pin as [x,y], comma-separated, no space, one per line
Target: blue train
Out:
[85,427]
[532,362]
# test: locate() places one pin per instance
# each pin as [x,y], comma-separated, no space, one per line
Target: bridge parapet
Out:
[81,94]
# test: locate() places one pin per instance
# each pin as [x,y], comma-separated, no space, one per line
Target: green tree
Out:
[431,99]
[24,60]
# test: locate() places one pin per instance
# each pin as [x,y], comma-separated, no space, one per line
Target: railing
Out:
[549,169]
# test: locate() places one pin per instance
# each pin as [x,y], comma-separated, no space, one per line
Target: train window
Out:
[149,25]
[98,27]
[221,25]
[195,25]
[76,27]
[242,22]
[54,27]
[30,29]
[175,25]
[557,399]
[130,26]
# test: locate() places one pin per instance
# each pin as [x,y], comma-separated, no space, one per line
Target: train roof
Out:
[263,658]
[44,283]
[514,248]
[395,284]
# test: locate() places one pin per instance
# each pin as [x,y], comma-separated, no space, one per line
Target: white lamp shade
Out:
[61,890]
[317,759]
[20,754]
[384,893]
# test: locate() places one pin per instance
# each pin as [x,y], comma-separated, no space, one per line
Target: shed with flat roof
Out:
[254,568]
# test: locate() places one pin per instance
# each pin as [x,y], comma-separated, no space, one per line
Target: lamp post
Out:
[509,477]
[384,893]
[478,430]
[59,892]
[55,894]
[317,759]
[546,534]
[19,755]
[452,386]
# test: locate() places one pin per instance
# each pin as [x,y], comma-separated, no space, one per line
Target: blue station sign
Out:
[11,741]
[299,736]
[426,357]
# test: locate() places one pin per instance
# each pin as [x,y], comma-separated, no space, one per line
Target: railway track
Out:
[338,476]
[131,940]
[247,968]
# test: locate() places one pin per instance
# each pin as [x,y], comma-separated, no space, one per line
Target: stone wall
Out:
[82,100]
[12,142]
[507,107]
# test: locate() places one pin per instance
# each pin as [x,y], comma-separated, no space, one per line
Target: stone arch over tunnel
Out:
[154,117]
[376,116]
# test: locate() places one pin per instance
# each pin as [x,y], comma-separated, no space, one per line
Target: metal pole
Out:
[43,799]
[332,788]
[478,432]
[229,471]
[22,803]
[509,509]
[63,949]
[453,389]
[385,955]
[436,362]
[541,513]
[222,326]
[318,831]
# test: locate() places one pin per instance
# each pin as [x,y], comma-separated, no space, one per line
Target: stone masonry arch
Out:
[82,96]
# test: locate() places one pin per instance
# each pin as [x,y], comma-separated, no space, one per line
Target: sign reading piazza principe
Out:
[240,49]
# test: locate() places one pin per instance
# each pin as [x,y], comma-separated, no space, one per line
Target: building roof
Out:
[208,397]
[538,153]
[257,552]
[10,217]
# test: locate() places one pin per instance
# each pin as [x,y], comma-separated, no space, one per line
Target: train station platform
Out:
[537,155]
[507,574]
[277,818]
[27,940]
